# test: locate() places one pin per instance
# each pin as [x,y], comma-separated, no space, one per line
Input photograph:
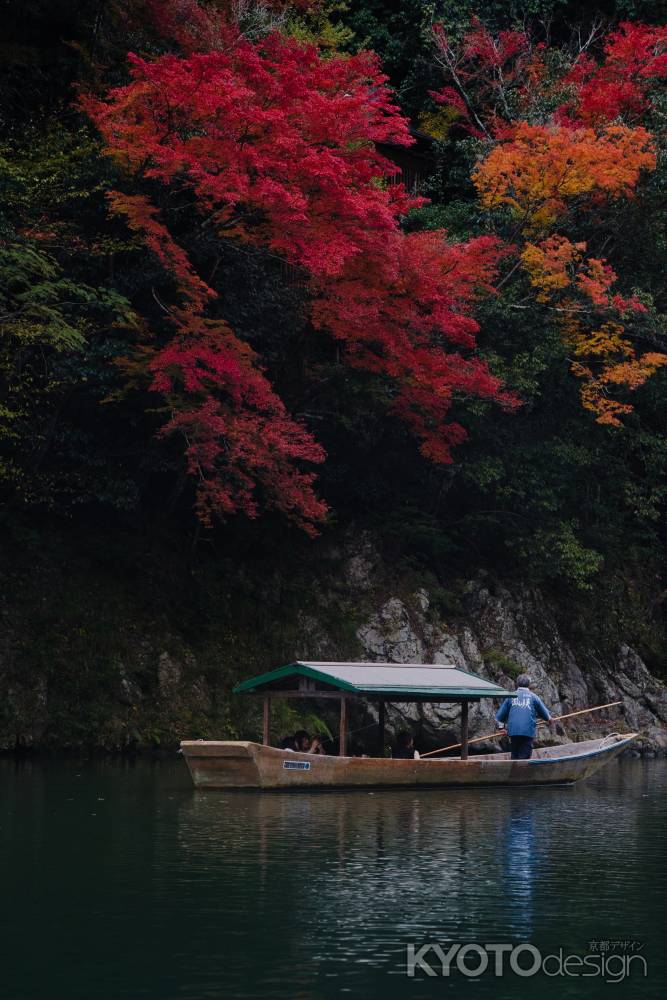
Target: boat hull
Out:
[243,764]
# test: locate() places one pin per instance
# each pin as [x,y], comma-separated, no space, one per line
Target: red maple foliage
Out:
[396,311]
[491,76]
[203,27]
[497,79]
[277,146]
[634,61]
[237,431]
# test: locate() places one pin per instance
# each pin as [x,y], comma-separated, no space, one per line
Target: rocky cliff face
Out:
[503,633]
[95,657]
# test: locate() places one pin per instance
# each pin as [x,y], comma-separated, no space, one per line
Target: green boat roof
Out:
[440,681]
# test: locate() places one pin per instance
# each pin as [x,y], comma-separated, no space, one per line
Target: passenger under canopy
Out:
[381,682]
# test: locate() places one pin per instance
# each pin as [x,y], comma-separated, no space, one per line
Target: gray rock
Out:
[422,599]
[129,691]
[200,697]
[169,673]
[448,650]
[521,627]
[360,569]
[389,636]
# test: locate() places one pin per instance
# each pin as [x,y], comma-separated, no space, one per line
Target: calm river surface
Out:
[121,881]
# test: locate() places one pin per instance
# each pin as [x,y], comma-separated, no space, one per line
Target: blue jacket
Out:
[520,713]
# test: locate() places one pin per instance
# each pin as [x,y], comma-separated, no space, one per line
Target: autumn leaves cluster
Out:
[273,147]
[560,141]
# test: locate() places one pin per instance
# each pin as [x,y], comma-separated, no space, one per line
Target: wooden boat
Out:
[244,764]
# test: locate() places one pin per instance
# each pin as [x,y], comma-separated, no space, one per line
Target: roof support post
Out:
[464,731]
[381,728]
[266,728]
[342,746]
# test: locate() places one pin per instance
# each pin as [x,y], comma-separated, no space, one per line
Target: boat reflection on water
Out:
[520,864]
[413,864]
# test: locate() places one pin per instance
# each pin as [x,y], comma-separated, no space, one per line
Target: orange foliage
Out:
[550,263]
[594,398]
[580,289]
[544,162]
[538,170]
[630,374]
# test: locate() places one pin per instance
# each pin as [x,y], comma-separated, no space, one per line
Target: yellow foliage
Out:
[605,343]
[438,123]
[549,264]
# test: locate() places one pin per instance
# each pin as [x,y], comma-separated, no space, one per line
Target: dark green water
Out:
[120,881]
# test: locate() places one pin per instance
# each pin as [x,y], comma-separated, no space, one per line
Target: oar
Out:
[503,732]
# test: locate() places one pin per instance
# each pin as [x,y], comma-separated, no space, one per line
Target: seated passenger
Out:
[301,742]
[405,747]
[319,744]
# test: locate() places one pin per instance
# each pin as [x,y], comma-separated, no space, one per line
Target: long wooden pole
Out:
[503,732]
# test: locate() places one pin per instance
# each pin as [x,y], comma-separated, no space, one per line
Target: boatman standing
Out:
[519,716]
